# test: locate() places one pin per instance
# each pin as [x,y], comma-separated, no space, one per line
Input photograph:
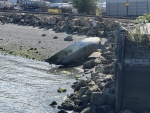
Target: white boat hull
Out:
[76,51]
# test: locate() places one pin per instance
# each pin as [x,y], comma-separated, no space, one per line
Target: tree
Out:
[85,6]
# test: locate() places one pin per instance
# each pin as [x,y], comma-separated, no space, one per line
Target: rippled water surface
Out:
[27,86]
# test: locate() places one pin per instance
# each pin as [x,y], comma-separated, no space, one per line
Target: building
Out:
[12,1]
[127,7]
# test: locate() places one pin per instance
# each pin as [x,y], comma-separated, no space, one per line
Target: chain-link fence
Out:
[127,7]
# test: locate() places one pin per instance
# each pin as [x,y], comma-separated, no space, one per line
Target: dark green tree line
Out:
[85,6]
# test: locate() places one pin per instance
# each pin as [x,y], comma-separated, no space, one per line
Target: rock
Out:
[39,42]
[84,23]
[68,38]
[43,35]
[61,90]
[77,102]
[89,64]
[68,105]
[98,98]
[82,107]
[62,111]
[76,109]
[86,110]
[52,21]
[64,28]
[108,69]
[75,95]
[98,18]
[74,22]
[74,28]
[57,29]
[94,24]
[91,83]
[92,32]
[95,74]
[55,37]
[92,89]
[54,103]
[83,90]
[85,99]
[82,30]
[100,85]
[110,34]
[80,84]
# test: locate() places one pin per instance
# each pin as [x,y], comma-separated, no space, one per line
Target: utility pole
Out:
[127,7]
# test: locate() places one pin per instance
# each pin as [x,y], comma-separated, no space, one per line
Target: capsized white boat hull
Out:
[76,51]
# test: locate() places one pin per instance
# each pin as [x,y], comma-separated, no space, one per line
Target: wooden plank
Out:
[135,106]
[136,96]
[137,88]
[119,67]
[137,74]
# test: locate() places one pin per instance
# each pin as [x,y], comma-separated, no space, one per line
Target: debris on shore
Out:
[96,94]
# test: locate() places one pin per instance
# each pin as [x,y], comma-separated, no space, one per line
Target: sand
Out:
[28,41]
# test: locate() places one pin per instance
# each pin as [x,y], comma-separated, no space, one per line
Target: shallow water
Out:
[27,86]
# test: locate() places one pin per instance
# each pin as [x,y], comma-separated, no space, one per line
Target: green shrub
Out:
[85,6]
[144,18]
[140,36]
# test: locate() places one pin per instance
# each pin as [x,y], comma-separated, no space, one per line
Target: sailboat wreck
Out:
[76,51]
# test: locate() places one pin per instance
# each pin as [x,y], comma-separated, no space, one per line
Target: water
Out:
[27,86]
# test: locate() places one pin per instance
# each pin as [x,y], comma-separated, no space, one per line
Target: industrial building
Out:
[127,7]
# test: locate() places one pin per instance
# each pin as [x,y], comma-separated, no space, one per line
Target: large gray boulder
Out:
[64,28]
[92,89]
[98,98]
[83,90]
[92,32]
[89,64]
[52,21]
[85,99]
[68,105]
[84,23]
[83,30]
[74,22]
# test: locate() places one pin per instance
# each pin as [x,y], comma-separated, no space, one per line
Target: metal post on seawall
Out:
[127,7]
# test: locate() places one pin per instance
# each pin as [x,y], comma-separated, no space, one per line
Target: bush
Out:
[85,6]
[142,19]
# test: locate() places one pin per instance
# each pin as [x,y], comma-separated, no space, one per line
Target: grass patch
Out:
[143,19]
[139,35]
[26,53]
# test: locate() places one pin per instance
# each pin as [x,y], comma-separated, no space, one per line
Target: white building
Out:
[127,7]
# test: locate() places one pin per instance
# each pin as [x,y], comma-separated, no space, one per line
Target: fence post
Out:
[117,8]
[120,40]
[136,7]
[147,6]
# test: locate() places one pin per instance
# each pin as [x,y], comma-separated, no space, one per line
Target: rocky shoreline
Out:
[93,95]
[97,93]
